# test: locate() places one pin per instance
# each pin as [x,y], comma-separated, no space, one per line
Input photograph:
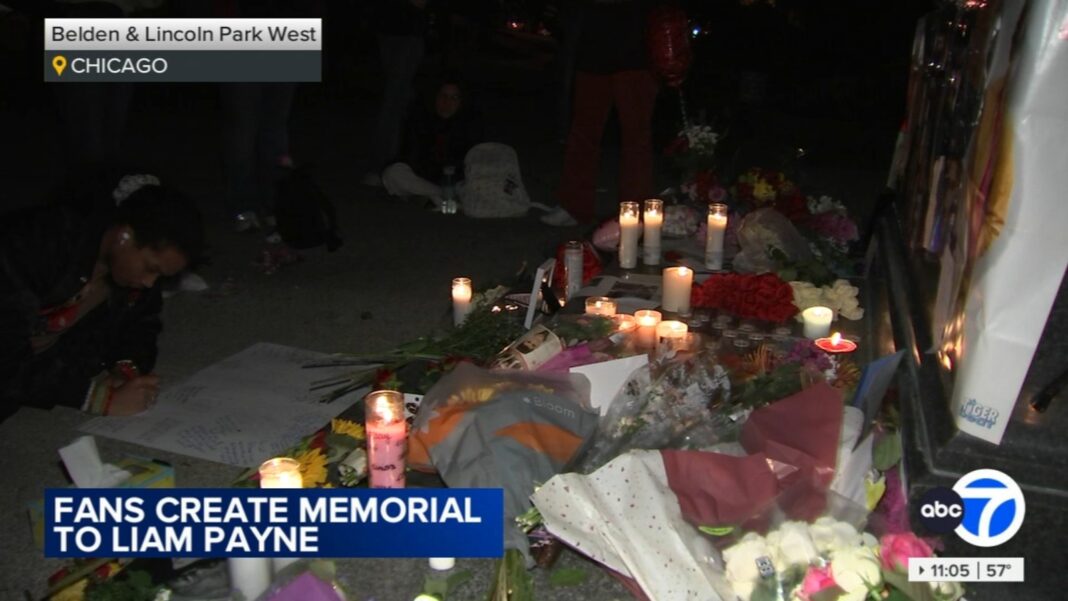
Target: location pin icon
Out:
[59,63]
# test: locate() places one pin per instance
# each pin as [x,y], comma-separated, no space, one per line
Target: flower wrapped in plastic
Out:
[840,297]
[663,406]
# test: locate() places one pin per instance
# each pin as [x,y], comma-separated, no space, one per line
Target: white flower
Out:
[794,546]
[829,535]
[164,594]
[741,559]
[947,591]
[744,590]
[856,569]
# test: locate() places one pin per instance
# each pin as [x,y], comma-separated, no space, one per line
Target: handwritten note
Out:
[239,411]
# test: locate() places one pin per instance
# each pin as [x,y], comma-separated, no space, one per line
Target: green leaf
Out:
[888,452]
[716,530]
[567,577]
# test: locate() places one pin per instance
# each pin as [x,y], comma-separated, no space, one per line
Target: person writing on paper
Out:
[80,300]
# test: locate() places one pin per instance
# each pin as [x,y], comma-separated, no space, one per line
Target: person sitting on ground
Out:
[438,137]
[80,298]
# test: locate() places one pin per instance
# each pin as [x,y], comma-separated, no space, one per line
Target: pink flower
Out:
[816,580]
[896,549]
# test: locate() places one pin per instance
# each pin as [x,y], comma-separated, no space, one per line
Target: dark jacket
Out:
[47,255]
[431,143]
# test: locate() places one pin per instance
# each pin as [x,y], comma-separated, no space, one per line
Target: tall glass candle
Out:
[600,305]
[281,472]
[652,225]
[678,282]
[573,267]
[629,231]
[461,299]
[717,228]
[249,576]
[647,321]
[387,438]
[817,322]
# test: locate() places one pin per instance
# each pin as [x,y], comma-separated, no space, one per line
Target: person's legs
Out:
[401,56]
[635,96]
[272,140]
[400,180]
[240,103]
[582,157]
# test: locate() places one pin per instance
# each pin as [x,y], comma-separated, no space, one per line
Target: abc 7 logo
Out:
[985,508]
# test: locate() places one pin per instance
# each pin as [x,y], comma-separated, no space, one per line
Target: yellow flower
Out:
[874,491]
[74,592]
[347,428]
[763,192]
[312,467]
[470,396]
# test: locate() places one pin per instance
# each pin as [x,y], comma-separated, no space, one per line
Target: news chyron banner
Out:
[183,50]
[236,522]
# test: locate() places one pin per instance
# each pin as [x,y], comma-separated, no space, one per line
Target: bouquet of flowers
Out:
[321,454]
[755,296]
[662,406]
[694,148]
[829,219]
[757,188]
[840,297]
[704,187]
[829,559]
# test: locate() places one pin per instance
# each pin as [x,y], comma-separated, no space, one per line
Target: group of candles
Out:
[648,224]
[651,329]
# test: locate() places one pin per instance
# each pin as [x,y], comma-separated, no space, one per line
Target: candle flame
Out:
[836,339]
[683,271]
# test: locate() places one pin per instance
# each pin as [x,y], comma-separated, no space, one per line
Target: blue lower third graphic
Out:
[274,523]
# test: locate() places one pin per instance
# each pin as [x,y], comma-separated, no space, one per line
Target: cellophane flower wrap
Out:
[662,406]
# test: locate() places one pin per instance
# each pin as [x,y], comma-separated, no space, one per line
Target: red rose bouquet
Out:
[755,296]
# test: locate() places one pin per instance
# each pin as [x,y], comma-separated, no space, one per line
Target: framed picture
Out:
[543,277]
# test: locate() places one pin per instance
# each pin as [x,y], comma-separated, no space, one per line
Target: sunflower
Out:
[312,467]
[347,428]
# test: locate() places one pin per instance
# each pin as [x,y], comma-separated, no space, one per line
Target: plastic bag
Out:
[762,231]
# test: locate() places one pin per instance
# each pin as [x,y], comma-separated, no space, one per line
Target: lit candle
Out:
[717,227]
[625,324]
[629,231]
[654,221]
[387,438]
[600,305]
[647,322]
[281,472]
[836,344]
[442,563]
[671,335]
[677,284]
[817,322]
[461,299]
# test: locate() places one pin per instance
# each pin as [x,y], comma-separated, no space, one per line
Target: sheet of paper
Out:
[239,411]
[608,377]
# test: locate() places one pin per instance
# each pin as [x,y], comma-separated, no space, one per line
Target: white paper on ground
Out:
[85,468]
[239,411]
[625,516]
[606,378]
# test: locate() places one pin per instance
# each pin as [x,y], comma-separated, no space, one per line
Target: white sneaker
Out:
[559,217]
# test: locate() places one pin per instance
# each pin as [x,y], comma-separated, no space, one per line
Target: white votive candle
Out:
[442,563]
[249,576]
[671,335]
[817,322]
[600,305]
[461,299]
[678,281]
[281,472]
[653,222]
[629,232]
[717,228]
[647,321]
